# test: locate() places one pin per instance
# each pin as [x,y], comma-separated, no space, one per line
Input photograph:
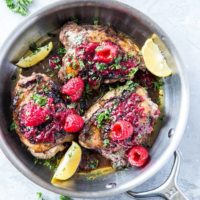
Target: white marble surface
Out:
[180,19]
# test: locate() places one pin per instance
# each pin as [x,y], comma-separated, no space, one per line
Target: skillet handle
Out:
[169,190]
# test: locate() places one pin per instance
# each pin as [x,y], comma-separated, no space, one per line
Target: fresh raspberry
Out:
[106,53]
[73,123]
[54,61]
[33,114]
[73,88]
[121,130]
[138,156]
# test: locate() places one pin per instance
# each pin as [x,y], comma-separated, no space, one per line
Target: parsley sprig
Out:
[105,115]
[39,99]
[19,6]
[40,197]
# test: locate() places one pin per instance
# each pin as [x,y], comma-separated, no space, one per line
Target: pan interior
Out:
[123,19]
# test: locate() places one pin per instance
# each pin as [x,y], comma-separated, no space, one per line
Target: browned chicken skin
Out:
[79,38]
[96,136]
[38,84]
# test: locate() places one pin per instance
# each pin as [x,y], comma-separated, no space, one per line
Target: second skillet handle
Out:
[169,189]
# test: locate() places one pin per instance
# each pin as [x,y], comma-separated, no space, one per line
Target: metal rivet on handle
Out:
[171,132]
[111,185]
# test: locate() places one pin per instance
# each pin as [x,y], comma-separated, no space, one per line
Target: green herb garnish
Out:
[102,117]
[132,72]
[51,164]
[56,60]
[19,6]
[87,88]
[118,59]
[39,99]
[61,51]
[93,164]
[13,126]
[81,64]
[106,142]
[158,84]
[69,75]
[100,66]
[130,85]
[116,64]
[64,198]
[88,91]
[39,196]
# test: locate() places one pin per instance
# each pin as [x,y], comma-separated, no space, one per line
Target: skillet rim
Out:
[181,123]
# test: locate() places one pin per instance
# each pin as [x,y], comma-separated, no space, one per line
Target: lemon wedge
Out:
[154,60]
[34,58]
[69,163]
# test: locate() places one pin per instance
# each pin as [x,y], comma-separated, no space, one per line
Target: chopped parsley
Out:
[56,60]
[158,84]
[102,117]
[93,164]
[69,75]
[88,91]
[61,51]
[39,196]
[74,64]
[61,197]
[87,88]
[51,164]
[13,126]
[100,66]
[19,6]
[130,85]
[81,64]
[132,72]
[39,99]
[64,198]
[106,142]
[158,101]
[116,64]
[118,59]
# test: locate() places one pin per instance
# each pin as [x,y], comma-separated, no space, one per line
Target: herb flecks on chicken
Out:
[132,109]
[98,54]
[39,114]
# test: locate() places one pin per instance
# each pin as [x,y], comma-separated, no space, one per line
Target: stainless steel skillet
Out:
[127,20]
